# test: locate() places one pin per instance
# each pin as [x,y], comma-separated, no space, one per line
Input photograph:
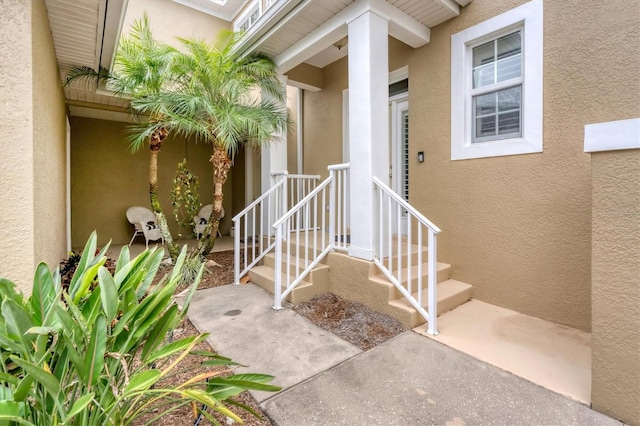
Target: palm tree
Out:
[218,97]
[142,69]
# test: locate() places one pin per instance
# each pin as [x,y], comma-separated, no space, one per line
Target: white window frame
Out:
[255,5]
[528,19]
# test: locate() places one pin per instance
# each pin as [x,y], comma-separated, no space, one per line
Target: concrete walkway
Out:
[409,380]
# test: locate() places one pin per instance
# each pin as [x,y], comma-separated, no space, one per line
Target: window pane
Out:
[509,45]
[483,54]
[485,126]
[485,104]
[509,68]
[484,75]
[509,123]
[509,99]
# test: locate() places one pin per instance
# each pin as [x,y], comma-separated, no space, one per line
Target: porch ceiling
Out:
[85,33]
[307,19]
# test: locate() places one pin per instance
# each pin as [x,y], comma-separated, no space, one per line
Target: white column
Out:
[273,157]
[368,126]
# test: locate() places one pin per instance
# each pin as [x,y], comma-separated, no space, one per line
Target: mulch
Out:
[354,322]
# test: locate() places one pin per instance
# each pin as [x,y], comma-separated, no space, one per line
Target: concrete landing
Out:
[283,344]
[410,380]
[548,354]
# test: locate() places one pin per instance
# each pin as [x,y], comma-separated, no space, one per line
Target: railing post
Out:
[284,202]
[277,291]
[236,253]
[332,210]
[432,327]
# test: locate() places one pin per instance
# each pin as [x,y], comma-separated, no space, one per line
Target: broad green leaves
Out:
[97,352]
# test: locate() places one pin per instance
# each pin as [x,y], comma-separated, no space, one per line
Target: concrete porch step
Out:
[317,282]
[270,261]
[451,294]
[377,276]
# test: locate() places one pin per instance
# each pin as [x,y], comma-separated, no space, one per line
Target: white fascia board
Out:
[102,114]
[404,27]
[227,14]
[304,86]
[113,22]
[401,26]
[612,135]
[463,3]
[279,14]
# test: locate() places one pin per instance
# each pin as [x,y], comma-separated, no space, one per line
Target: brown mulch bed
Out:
[354,322]
[218,275]
[351,321]
[191,366]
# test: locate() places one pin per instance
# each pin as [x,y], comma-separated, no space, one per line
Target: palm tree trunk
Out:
[221,166]
[155,144]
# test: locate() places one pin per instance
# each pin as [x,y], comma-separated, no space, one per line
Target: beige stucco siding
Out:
[108,179]
[49,139]
[169,20]
[518,227]
[615,289]
[32,142]
[16,143]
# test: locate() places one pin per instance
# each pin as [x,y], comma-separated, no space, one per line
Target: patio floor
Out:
[222,244]
[553,356]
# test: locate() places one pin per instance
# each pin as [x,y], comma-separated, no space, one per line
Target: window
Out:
[249,17]
[496,85]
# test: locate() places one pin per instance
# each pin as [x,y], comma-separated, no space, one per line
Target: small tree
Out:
[142,69]
[220,98]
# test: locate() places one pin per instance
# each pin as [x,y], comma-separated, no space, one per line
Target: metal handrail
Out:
[396,275]
[258,200]
[311,209]
[405,205]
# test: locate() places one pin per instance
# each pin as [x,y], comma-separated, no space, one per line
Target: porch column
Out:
[273,157]
[368,126]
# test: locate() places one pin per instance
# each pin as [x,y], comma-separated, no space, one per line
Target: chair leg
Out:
[132,238]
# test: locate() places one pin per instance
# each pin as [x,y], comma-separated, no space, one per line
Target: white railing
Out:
[392,210]
[298,187]
[300,249]
[253,226]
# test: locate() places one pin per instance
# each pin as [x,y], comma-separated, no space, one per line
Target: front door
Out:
[399,168]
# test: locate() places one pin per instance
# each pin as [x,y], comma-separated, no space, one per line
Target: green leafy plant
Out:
[96,354]
[185,195]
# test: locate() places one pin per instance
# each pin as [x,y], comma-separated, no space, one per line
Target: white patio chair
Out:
[144,222]
[201,220]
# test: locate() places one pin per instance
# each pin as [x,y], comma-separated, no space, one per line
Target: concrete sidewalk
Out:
[409,380]
[244,328]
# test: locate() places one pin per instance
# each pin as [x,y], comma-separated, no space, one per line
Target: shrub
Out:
[68,355]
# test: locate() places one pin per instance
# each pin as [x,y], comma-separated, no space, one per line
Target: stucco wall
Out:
[32,141]
[107,179]
[49,139]
[615,288]
[519,227]
[169,19]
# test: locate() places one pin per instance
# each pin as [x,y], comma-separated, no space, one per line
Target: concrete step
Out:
[317,282]
[451,294]
[444,273]
[270,261]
